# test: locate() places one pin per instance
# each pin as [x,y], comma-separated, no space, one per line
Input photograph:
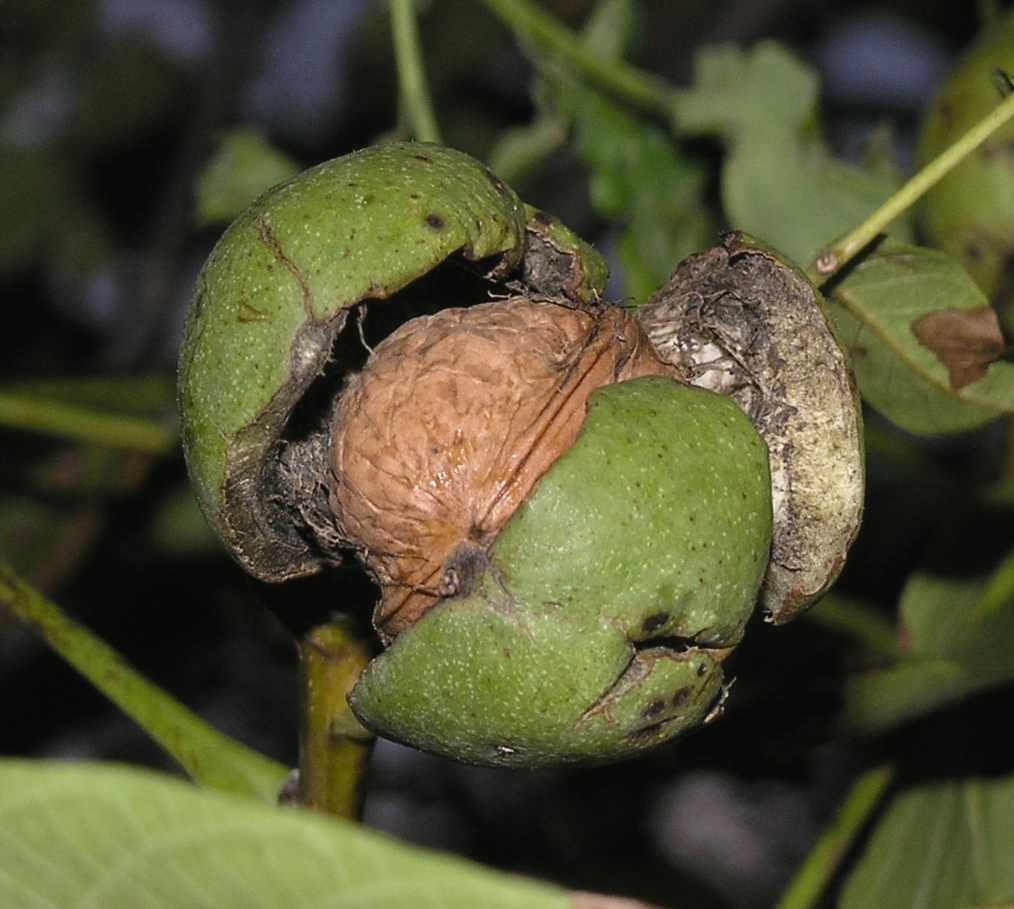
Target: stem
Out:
[825,857]
[833,258]
[23,411]
[209,757]
[334,748]
[415,96]
[538,28]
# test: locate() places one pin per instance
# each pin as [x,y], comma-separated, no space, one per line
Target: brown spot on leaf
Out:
[435,222]
[966,341]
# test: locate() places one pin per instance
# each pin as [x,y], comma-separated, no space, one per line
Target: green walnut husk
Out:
[277,289]
[597,623]
[969,213]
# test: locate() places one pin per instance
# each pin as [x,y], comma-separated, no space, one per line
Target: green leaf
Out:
[739,92]
[779,180]
[611,28]
[89,836]
[959,635]
[637,177]
[208,756]
[940,846]
[924,343]
[520,151]
[244,166]
[968,213]
[791,192]
[641,180]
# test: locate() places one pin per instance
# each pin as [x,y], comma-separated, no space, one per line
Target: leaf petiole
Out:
[836,256]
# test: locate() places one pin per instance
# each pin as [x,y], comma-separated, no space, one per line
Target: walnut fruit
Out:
[568,506]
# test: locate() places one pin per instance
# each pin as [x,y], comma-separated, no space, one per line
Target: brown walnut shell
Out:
[455,417]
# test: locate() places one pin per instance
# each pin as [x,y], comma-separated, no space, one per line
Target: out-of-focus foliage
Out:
[243,167]
[940,845]
[780,180]
[123,837]
[120,159]
[958,635]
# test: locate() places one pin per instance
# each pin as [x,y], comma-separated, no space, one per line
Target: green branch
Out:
[334,748]
[835,257]
[37,414]
[209,757]
[537,28]
[415,97]
[824,859]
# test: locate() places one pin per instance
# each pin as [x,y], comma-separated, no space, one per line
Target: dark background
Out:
[108,109]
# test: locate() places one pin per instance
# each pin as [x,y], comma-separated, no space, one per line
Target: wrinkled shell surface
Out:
[455,417]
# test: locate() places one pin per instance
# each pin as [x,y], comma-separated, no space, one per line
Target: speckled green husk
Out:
[275,292]
[609,601]
[969,212]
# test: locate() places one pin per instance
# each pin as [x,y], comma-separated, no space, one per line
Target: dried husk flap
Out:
[739,320]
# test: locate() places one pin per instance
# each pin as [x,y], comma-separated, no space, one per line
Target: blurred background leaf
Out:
[154,842]
[244,166]
[780,180]
[940,845]
[957,638]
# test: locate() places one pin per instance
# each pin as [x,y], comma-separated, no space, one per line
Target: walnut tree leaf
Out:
[924,345]
[79,836]
[938,846]
[958,636]
[780,181]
